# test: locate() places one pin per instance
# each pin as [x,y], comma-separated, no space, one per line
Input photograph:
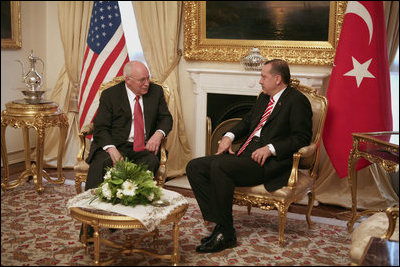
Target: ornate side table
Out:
[37,116]
[376,147]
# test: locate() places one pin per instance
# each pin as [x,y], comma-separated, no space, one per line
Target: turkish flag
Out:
[359,88]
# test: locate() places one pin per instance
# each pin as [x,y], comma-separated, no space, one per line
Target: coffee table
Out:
[100,218]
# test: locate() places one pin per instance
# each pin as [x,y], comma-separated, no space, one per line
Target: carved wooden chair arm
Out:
[162,169]
[86,130]
[392,213]
[308,151]
[303,153]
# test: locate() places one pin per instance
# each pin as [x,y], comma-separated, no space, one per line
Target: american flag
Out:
[104,58]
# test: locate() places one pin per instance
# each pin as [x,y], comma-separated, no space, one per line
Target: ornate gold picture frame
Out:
[11,24]
[198,47]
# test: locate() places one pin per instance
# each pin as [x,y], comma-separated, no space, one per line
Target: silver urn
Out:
[254,60]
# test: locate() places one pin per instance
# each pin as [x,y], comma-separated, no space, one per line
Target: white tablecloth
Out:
[150,216]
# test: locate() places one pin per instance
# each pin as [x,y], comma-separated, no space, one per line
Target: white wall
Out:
[40,32]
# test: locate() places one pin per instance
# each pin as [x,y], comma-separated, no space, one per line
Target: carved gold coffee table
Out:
[100,218]
[40,117]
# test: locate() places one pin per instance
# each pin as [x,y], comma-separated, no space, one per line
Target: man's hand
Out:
[114,154]
[154,142]
[260,155]
[224,145]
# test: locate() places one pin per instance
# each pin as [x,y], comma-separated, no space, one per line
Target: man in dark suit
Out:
[277,126]
[114,127]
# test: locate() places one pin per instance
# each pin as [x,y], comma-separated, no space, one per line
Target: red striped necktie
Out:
[264,117]
[138,136]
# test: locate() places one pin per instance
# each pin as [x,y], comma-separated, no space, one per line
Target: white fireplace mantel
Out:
[232,82]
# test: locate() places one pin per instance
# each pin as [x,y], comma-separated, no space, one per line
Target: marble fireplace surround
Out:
[232,82]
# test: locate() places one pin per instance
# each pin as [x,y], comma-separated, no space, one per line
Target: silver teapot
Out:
[32,79]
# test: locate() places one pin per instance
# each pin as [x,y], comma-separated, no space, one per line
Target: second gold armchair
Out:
[304,169]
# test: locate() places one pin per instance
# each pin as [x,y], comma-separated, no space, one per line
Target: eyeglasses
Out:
[140,81]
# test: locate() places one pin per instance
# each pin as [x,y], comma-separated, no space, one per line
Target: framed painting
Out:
[11,24]
[300,32]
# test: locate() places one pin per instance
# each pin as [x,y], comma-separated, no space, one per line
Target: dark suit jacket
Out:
[112,123]
[288,128]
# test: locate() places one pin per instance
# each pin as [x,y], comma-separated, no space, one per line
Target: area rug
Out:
[38,230]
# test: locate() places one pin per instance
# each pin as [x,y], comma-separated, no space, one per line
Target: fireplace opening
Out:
[221,107]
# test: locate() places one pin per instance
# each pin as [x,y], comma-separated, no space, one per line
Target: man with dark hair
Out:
[277,126]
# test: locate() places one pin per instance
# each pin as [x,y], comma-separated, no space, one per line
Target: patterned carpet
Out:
[37,230]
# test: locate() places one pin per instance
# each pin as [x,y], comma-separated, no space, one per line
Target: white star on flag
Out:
[360,71]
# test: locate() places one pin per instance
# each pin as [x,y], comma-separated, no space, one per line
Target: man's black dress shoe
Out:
[216,230]
[217,243]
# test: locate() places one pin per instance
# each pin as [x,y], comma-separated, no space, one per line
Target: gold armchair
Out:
[81,167]
[384,225]
[304,169]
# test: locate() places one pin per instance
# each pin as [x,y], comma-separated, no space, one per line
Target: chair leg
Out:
[311,198]
[282,215]
[78,182]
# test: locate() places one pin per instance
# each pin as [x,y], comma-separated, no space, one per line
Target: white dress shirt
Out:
[270,146]
[132,102]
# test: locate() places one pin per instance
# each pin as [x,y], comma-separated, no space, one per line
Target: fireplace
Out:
[221,107]
[233,90]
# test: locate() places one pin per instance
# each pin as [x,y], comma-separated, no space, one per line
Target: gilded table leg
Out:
[62,123]
[84,237]
[38,176]
[352,179]
[175,236]
[4,158]
[96,240]
[5,185]
[25,134]
[28,173]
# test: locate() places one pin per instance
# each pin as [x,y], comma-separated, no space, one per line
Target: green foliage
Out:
[128,184]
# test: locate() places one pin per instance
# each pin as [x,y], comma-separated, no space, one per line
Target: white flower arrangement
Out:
[129,184]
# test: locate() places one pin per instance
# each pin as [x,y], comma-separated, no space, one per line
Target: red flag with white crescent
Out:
[359,88]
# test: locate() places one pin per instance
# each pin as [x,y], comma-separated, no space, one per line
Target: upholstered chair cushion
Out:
[304,183]
[374,226]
